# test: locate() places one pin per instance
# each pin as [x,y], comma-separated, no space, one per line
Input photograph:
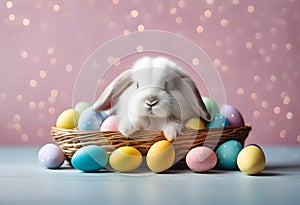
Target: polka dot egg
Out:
[218,121]
[227,154]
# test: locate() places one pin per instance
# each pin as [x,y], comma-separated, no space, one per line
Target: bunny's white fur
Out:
[155,94]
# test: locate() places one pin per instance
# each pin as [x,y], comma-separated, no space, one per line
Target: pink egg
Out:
[201,159]
[110,124]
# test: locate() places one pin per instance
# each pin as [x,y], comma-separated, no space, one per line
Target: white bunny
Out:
[155,94]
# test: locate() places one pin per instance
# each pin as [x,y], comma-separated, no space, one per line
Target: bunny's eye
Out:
[137,84]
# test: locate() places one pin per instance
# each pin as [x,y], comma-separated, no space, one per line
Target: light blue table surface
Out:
[24,181]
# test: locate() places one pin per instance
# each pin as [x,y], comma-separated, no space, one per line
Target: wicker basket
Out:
[70,140]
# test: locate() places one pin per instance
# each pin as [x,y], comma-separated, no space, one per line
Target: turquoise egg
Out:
[227,154]
[81,106]
[211,106]
[89,158]
[91,120]
[218,121]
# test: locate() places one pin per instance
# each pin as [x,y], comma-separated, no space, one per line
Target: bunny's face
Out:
[153,100]
[153,82]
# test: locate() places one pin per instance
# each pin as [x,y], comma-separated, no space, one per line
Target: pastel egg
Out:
[89,158]
[90,120]
[218,121]
[211,106]
[195,123]
[251,160]
[68,119]
[110,124]
[125,159]
[160,156]
[227,154]
[81,106]
[201,159]
[233,115]
[51,156]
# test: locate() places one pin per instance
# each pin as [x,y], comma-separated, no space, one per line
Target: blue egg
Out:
[101,116]
[218,121]
[91,120]
[89,158]
[227,154]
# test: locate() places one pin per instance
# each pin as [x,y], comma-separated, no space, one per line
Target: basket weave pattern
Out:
[70,140]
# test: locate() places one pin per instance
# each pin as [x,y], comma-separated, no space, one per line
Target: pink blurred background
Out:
[253,44]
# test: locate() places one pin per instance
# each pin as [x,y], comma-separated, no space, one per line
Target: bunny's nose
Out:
[151,101]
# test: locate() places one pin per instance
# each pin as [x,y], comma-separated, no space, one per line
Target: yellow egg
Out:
[68,119]
[251,160]
[195,123]
[160,156]
[125,159]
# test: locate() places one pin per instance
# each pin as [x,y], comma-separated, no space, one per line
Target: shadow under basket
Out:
[70,140]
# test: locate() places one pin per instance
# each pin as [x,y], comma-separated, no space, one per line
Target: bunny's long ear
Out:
[189,90]
[113,91]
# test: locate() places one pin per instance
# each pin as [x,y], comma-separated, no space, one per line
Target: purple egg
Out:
[51,156]
[233,115]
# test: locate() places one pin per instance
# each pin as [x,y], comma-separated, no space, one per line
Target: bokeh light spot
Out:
[56,7]
[240,91]
[277,110]
[250,8]
[26,22]
[33,83]
[199,29]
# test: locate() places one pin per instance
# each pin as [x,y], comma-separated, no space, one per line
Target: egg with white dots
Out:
[51,156]
[233,115]
[91,120]
[218,121]
[227,154]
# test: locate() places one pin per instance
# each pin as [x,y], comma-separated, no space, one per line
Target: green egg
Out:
[211,106]
[81,106]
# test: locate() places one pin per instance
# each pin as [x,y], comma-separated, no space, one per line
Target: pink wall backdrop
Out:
[255,46]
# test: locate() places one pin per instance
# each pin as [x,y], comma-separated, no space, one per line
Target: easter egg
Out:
[160,156]
[51,156]
[218,121]
[110,124]
[211,106]
[89,158]
[227,154]
[81,106]
[251,160]
[68,119]
[195,123]
[233,115]
[201,159]
[125,159]
[90,120]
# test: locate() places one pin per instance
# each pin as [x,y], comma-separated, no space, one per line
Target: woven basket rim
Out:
[147,131]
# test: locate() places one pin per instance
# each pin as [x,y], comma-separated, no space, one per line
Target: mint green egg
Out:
[81,106]
[211,106]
